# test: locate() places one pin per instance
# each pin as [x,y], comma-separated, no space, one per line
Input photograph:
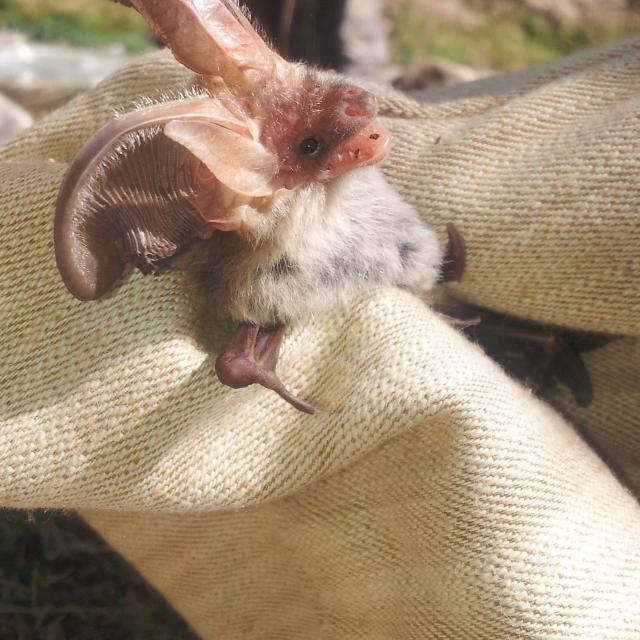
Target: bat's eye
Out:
[309,147]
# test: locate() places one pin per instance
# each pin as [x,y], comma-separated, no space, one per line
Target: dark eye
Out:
[309,147]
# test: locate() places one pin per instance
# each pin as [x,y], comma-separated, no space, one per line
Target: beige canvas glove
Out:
[435,498]
[538,169]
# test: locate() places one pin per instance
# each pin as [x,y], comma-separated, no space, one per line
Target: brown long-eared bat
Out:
[271,163]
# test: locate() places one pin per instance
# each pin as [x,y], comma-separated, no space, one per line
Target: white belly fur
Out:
[321,246]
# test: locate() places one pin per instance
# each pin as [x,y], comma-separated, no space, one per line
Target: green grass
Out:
[510,36]
[79,22]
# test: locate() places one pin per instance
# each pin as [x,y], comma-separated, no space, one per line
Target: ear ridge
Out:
[236,160]
[89,266]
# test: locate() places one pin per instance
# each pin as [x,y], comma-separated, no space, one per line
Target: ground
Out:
[60,581]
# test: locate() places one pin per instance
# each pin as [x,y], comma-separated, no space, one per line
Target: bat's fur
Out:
[323,245]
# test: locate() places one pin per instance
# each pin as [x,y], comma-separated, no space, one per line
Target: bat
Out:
[270,165]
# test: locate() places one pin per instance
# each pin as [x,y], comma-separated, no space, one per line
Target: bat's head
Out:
[321,127]
[154,180]
[315,127]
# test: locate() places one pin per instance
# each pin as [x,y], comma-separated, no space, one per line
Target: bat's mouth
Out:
[368,147]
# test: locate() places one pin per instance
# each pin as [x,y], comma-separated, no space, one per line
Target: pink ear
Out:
[236,160]
[211,37]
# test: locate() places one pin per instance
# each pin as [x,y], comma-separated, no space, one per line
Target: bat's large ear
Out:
[134,197]
[240,163]
[211,37]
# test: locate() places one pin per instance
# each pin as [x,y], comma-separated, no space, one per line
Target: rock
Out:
[434,73]
[366,37]
[41,76]
[13,119]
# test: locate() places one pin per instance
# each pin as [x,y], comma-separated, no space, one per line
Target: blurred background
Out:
[58,580]
[416,44]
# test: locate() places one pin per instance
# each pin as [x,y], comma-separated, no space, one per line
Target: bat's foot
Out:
[540,356]
[455,258]
[251,357]
[460,323]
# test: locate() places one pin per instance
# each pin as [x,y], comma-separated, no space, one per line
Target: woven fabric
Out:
[539,177]
[433,497]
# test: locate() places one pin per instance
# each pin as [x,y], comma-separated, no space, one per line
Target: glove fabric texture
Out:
[435,497]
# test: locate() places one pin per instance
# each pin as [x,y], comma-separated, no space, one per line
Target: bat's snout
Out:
[368,147]
[349,108]
[360,103]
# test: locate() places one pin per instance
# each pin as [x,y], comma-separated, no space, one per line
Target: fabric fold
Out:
[433,496]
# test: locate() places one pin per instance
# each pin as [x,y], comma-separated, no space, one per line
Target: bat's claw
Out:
[251,357]
[455,259]
[460,323]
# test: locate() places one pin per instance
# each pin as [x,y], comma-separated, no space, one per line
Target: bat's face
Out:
[210,163]
[322,130]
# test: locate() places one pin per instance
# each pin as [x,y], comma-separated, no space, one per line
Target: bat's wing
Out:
[147,185]
[211,37]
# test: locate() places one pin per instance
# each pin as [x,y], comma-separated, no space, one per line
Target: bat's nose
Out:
[359,103]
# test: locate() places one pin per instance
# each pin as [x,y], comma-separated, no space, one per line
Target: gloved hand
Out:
[435,497]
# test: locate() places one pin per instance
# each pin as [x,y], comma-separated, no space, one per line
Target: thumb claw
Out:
[250,358]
